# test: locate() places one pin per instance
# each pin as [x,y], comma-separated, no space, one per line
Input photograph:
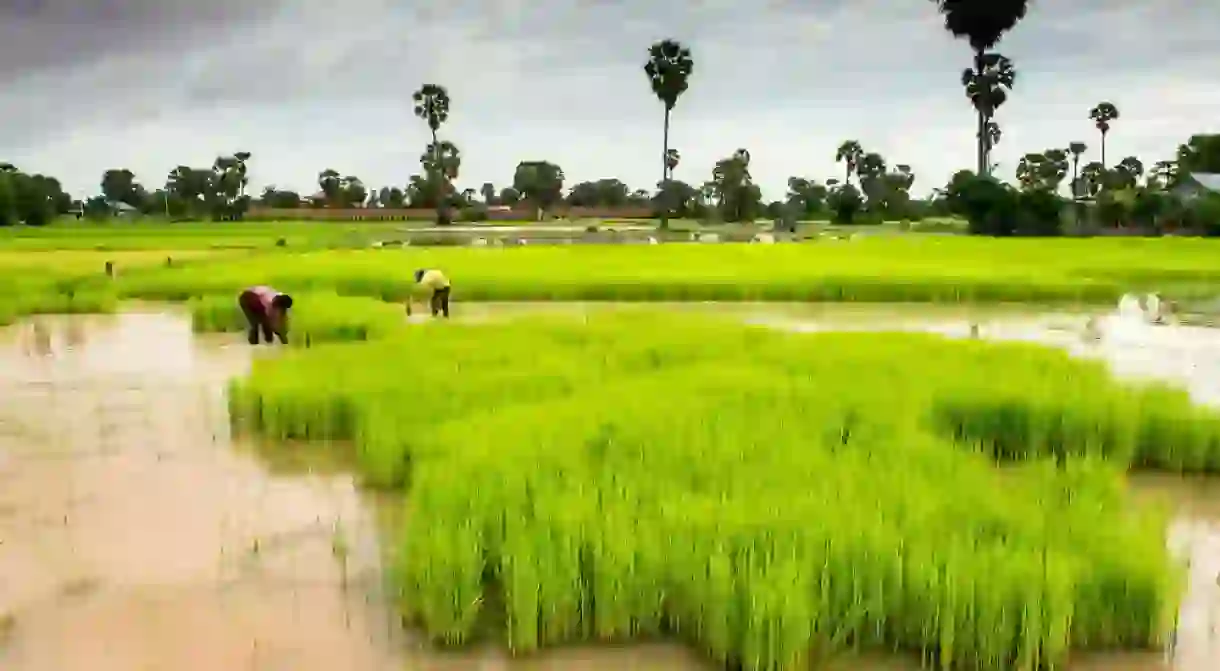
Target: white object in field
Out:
[1152,305]
[652,240]
[764,238]
[378,245]
[709,237]
[479,242]
[522,241]
[1129,307]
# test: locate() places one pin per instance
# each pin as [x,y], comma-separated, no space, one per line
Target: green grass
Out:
[768,497]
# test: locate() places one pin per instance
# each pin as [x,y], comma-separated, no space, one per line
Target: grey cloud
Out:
[559,74]
[36,35]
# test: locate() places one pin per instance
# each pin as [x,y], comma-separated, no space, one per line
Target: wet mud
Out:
[137,533]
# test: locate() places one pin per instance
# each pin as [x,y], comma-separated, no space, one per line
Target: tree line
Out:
[872,189]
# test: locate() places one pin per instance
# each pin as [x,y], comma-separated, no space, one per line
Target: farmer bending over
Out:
[437,286]
[266,310]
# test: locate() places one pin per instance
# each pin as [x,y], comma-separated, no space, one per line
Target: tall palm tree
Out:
[672,159]
[993,134]
[1102,115]
[849,153]
[987,90]
[983,23]
[1076,149]
[242,158]
[669,69]
[432,105]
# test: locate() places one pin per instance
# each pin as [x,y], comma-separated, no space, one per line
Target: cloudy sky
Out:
[304,85]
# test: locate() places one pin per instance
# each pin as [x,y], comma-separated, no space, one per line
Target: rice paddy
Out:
[771,499]
[890,269]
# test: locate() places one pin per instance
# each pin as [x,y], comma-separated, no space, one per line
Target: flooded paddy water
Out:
[137,533]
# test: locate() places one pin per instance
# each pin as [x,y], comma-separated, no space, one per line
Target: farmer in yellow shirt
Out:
[437,286]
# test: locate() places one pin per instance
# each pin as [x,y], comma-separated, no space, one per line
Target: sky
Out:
[305,85]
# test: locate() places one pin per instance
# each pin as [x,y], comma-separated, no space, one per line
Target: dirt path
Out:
[136,534]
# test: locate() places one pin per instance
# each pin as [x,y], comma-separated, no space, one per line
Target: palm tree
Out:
[982,23]
[672,159]
[1094,176]
[1076,149]
[987,90]
[1165,173]
[242,157]
[1102,115]
[432,105]
[669,69]
[1128,171]
[849,153]
[993,135]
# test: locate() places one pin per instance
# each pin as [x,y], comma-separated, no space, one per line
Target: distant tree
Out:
[1077,149]
[849,154]
[806,196]
[352,192]
[442,164]
[8,196]
[1163,175]
[228,199]
[393,197]
[1128,172]
[488,193]
[982,23]
[738,197]
[681,198]
[993,136]
[845,203]
[1201,153]
[1094,178]
[870,174]
[539,182]
[1103,115]
[432,105]
[243,159]
[119,186]
[509,196]
[33,200]
[330,184]
[669,69]
[280,200]
[987,90]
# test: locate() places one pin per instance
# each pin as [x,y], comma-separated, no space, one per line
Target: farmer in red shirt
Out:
[267,310]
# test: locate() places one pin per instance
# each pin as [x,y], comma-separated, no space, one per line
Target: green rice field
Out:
[772,499]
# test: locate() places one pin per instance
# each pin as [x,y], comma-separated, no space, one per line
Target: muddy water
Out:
[135,533]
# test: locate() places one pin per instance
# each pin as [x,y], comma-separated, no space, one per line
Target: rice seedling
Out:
[890,269]
[317,318]
[771,498]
